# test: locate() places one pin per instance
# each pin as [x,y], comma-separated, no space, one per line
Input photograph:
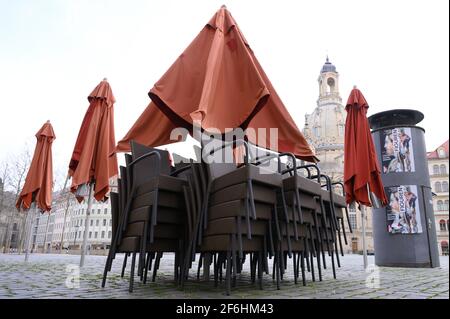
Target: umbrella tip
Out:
[48,121]
[223,6]
[354,87]
[105,79]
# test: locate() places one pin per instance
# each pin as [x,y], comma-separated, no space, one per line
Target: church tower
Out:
[324,127]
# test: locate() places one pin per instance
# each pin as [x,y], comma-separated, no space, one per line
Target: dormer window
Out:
[441,153]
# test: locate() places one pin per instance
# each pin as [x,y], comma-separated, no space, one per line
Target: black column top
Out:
[395,118]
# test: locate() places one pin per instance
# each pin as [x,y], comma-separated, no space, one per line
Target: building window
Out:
[104,222]
[440,205]
[445,187]
[443,169]
[92,222]
[341,130]
[97,222]
[352,218]
[435,169]
[442,225]
[441,153]
[103,234]
[445,205]
[90,234]
[96,235]
[110,222]
[109,234]
[437,187]
[15,227]
[106,211]
[444,248]
[98,211]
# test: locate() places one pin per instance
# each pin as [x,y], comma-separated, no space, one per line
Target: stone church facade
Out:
[324,129]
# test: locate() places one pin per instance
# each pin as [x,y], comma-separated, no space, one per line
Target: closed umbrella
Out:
[39,181]
[217,83]
[92,164]
[362,180]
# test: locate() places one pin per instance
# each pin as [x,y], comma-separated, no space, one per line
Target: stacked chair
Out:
[225,214]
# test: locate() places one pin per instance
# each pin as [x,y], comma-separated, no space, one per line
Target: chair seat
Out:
[242,174]
[165,199]
[261,193]
[164,215]
[339,200]
[306,200]
[163,182]
[223,243]
[229,225]
[237,208]
[305,185]
[161,230]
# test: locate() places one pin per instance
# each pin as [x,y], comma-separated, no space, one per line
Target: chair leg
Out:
[133,264]
[200,262]
[124,264]
[277,268]
[216,270]
[303,268]
[228,274]
[105,273]
[332,264]
[295,268]
[156,265]
[260,272]
[252,268]
[233,259]
[147,266]
[306,254]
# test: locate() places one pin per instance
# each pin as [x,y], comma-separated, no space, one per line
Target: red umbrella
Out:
[92,163]
[39,181]
[91,160]
[361,168]
[218,82]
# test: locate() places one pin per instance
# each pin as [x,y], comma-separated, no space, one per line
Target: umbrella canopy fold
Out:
[217,82]
[361,168]
[92,159]
[39,181]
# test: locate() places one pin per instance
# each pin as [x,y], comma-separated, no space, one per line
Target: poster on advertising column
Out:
[402,211]
[397,150]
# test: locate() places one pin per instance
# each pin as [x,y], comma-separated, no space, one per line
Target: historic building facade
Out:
[324,129]
[438,165]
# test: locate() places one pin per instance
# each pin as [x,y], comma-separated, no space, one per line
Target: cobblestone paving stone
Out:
[45,276]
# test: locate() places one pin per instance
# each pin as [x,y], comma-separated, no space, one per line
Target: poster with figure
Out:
[397,150]
[402,211]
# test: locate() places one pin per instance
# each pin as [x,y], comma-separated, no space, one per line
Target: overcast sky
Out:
[53,53]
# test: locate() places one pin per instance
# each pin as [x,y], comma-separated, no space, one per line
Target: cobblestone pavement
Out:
[46,276]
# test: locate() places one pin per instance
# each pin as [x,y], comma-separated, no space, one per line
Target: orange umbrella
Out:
[218,82]
[39,181]
[361,168]
[91,160]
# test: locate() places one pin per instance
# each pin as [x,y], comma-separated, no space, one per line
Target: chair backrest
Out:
[146,169]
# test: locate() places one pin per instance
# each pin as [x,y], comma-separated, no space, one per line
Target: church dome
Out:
[328,67]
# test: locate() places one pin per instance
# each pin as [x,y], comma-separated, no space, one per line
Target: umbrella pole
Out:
[61,246]
[363,225]
[86,225]
[31,214]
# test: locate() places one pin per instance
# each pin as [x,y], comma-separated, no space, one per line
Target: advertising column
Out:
[404,231]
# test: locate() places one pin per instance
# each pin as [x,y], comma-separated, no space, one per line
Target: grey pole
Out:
[45,235]
[363,225]
[31,214]
[65,215]
[86,225]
